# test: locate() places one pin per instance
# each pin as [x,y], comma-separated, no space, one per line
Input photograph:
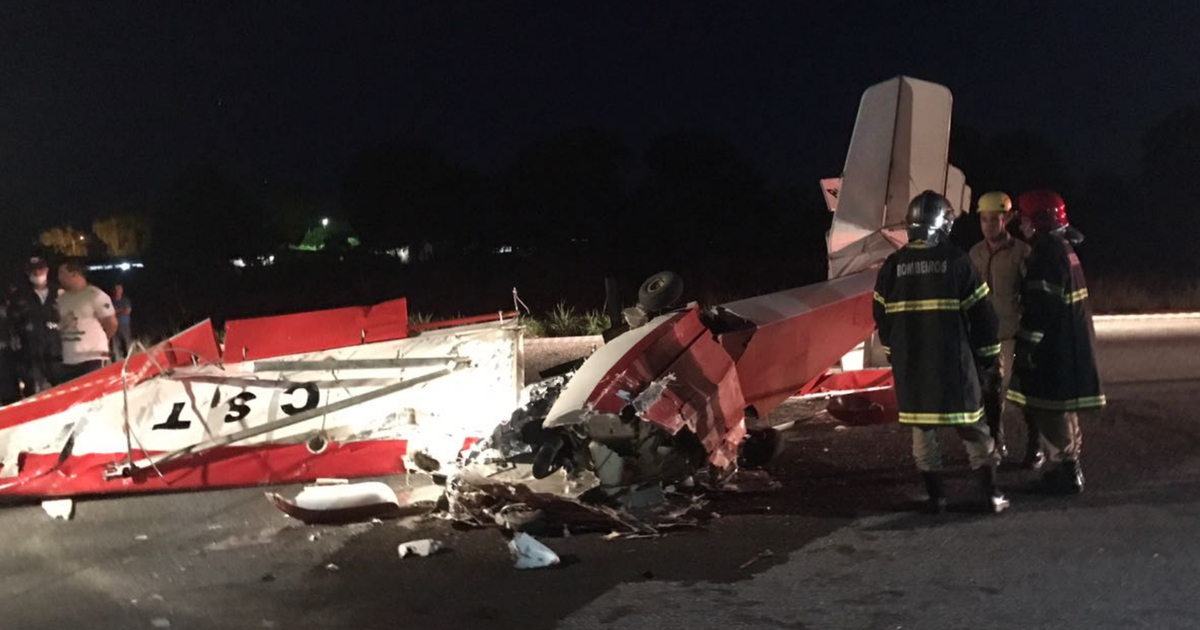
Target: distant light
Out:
[504,249]
[81,237]
[238,262]
[399,252]
[325,222]
[122,266]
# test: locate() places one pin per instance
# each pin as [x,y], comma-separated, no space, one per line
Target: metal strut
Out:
[128,469]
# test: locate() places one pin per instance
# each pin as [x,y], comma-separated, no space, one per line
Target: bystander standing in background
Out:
[124,337]
[87,321]
[33,312]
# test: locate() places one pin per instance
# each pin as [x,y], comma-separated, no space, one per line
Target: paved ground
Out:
[846,551]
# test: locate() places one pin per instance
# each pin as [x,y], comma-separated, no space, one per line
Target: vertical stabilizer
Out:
[899,148]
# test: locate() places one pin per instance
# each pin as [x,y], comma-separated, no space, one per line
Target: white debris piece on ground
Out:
[341,496]
[332,568]
[341,503]
[420,548]
[160,622]
[530,553]
[141,537]
[62,509]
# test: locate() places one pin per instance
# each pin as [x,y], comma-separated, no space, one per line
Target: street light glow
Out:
[325,222]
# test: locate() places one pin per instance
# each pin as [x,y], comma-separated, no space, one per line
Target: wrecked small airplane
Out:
[682,387]
[361,392]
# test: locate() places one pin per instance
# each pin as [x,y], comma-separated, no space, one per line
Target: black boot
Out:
[994,501]
[936,503]
[1072,478]
[1065,478]
[1035,458]
[993,410]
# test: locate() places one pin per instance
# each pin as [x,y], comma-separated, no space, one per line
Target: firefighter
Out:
[1055,374]
[1000,260]
[937,325]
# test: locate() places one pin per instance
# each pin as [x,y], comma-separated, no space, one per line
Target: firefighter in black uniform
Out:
[937,325]
[1055,375]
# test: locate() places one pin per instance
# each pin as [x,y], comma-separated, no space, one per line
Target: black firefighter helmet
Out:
[930,217]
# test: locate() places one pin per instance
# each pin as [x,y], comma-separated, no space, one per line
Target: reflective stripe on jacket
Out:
[1056,333]
[936,321]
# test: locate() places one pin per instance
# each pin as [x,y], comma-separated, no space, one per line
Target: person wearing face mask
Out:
[35,317]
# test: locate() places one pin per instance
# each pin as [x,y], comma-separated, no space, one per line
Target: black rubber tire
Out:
[759,448]
[547,460]
[660,291]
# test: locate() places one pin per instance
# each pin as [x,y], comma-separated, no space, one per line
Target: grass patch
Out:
[565,321]
[1128,294]
[418,318]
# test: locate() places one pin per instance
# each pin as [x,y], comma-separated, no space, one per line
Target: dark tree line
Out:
[582,205]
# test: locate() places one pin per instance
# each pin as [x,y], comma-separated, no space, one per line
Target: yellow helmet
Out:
[994,202]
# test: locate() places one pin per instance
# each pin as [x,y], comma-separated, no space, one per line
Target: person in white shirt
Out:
[87,322]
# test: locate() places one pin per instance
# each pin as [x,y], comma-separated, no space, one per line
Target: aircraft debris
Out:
[60,509]
[420,548]
[160,622]
[503,480]
[529,553]
[765,553]
[332,568]
[326,504]
[343,392]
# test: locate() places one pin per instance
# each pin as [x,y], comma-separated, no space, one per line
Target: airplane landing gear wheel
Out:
[660,291]
[548,458]
[759,448]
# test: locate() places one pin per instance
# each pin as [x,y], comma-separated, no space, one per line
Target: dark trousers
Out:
[121,343]
[10,391]
[35,371]
[65,372]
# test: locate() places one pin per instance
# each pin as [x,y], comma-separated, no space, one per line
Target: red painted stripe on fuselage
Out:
[225,467]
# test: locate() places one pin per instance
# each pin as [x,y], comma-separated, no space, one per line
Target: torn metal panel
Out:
[702,393]
[181,416]
[619,369]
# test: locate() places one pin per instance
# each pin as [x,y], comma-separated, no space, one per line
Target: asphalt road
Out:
[838,547]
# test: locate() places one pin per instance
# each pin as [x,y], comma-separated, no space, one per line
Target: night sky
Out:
[103,103]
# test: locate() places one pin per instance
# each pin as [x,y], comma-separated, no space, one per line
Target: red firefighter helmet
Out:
[1045,209]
